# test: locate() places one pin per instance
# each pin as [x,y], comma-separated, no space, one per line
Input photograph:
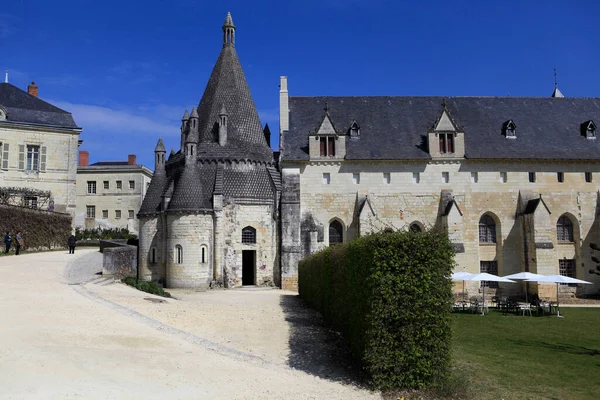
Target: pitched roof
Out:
[21,107]
[395,128]
[158,185]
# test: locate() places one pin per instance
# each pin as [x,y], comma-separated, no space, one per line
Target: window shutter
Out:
[43,159]
[21,157]
[5,156]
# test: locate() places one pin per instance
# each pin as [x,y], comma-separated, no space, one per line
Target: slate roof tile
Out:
[394,128]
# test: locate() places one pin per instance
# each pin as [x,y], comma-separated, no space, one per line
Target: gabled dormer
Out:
[354,129]
[509,129]
[445,140]
[588,129]
[326,142]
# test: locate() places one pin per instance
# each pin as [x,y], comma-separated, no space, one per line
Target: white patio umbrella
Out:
[527,277]
[462,276]
[559,279]
[484,276]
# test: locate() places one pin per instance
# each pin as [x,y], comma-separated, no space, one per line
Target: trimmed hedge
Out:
[40,229]
[390,295]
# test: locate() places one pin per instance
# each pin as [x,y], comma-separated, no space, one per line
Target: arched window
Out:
[203,254]
[178,254]
[248,235]
[336,233]
[414,227]
[487,230]
[153,255]
[564,229]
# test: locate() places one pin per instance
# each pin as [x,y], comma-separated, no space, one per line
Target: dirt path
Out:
[65,341]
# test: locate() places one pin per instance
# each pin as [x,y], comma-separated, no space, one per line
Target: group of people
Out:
[8,242]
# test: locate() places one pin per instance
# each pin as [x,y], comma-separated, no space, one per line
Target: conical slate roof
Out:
[227,88]
[187,195]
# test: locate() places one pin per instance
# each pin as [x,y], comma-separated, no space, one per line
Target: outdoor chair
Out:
[525,308]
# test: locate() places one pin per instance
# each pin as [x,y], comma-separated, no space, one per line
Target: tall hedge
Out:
[40,229]
[390,295]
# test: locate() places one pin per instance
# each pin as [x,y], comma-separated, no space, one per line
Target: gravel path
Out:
[61,340]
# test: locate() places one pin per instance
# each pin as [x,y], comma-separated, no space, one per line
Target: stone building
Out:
[514,181]
[110,193]
[211,210]
[38,149]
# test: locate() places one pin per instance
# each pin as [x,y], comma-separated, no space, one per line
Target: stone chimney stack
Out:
[32,89]
[84,158]
[131,159]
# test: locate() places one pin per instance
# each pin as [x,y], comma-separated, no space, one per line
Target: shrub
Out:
[40,229]
[390,296]
[104,234]
[148,287]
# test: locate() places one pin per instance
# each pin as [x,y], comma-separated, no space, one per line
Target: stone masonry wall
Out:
[477,187]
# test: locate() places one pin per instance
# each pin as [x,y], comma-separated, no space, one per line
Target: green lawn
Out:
[515,357]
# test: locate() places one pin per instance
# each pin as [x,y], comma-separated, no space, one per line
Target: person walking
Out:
[7,242]
[20,242]
[72,241]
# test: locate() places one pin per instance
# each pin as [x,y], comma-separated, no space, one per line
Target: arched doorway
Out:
[336,233]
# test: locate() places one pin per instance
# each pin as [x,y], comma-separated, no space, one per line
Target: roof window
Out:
[588,129]
[354,129]
[510,129]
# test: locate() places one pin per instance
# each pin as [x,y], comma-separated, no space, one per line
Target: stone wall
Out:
[414,194]
[120,261]
[59,176]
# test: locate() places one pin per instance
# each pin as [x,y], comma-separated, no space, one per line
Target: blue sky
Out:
[127,70]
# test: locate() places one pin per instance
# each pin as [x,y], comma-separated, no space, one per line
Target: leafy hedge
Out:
[40,229]
[390,296]
[104,234]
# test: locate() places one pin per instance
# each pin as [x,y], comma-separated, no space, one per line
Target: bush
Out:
[104,234]
[148,287]
[390,295]
[40,229]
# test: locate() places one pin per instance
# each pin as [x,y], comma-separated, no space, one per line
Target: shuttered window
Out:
[43,159]
[21,157]
[4,155]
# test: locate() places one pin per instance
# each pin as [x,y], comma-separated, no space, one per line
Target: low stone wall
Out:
[119,259]
[106,244]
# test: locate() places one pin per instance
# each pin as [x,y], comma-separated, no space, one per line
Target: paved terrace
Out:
[68,333]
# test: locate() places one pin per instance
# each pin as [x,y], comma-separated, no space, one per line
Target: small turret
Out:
[191,141]
[267,133]
[159,157]
[184,127]
[228,31]
[223,121]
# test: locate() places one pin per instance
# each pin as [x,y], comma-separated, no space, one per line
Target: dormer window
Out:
[446,142]
[327,146]
[588,129]
[354,129]
[510,129]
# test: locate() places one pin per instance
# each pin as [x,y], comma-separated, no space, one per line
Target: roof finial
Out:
[6,77]
[326,108]
[444,103]
[556,93]
[228,31]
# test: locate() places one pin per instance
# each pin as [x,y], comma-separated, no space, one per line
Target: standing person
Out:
[20,242]
[72,241]
[7,242]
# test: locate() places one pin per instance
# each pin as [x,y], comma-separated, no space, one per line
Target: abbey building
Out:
[513,181]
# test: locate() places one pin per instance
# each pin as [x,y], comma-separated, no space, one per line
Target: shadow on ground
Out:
[567,348]
[316,349]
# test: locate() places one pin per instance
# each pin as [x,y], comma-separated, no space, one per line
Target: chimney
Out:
[84,158]
[131,159]
[32,89]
